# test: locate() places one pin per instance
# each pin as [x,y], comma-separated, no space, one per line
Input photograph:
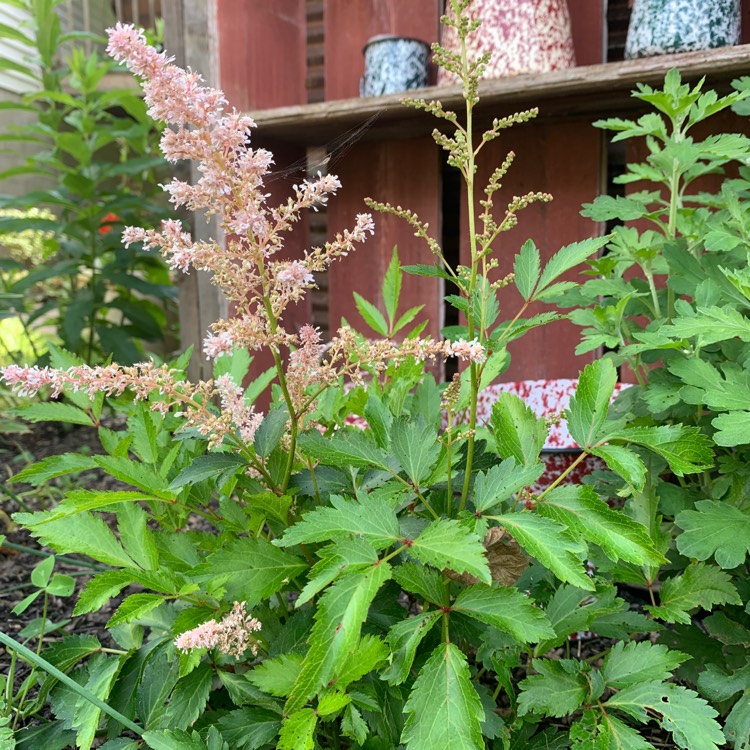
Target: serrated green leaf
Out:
[54,412]
[404,638]
[253,569]
[335,559]
[447,544]
[372,520]
[689,718]
[140,475]
[102,674]
[206,467]
[445,712]
[83,533]
[588,516]
[417,579]
[100,589]
[558,690]
[298,730]
[190,697]
[136,536]
[732,428]
[133,607]
[624,462]
[354,726]
[331,703]
[371,315]
[55,466]
[518,432]
[338,620]
[501,482]
[700,585]
[686,449]
[271,430]
[371,652]
[590,404]
[526,269]
[711,325]
[277,676]
[569,257]
[506,609]
[415,445]
[249,728]
[347,447]
[715,528]
[627,664]
[551,544]
[392,286]
[173,739]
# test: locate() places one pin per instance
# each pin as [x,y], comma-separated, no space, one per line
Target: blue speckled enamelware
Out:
[394,64]
[659,27]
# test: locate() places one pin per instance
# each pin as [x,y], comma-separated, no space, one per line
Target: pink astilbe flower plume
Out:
[232,635]
[250,269]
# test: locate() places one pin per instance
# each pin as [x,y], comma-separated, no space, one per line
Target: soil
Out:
[21,552]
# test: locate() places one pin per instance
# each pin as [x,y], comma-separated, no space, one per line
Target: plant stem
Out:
[29,656]
[582,457]
[59,558]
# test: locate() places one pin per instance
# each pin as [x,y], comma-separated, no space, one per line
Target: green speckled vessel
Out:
[659,27]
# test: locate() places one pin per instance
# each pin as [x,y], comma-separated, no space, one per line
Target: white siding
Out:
[10,80]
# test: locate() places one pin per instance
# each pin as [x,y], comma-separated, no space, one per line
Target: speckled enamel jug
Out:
[524,36]
[393,64]
[659,27]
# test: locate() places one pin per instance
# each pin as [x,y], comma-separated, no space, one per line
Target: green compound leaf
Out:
[628,664]
[55,412]
[623,461]
[526,269]
[347,447]
[84,534]
[518,432]
[372,520]
[700,585]
[689,718]
[445,712]
[253,569]
[298,730]
[501,482]
[731,428]
[686,449]
[55,466]
[404,638]
[711,325]
[506,609]
[415,445]
[590,404]
[371,315]
[447,544]
[190,696]
[589,517]
[558,690]
[551,543]
[392,286]
[334,637]
[277,676]
[133,607]
[217,466]
[418,579]
[173,739]
[717,529]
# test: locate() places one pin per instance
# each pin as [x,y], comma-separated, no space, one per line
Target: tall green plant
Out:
[409,585]
[670,298]
[96,168]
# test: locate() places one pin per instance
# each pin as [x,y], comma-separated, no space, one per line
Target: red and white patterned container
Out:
[524,36]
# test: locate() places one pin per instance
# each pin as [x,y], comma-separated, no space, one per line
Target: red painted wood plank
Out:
[588,24]
[262,52]
[402,172]
[563,159]
[350,23]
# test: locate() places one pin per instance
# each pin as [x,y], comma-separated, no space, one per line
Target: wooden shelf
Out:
[581,92]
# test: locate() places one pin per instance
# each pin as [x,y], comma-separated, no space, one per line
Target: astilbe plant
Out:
[305,584]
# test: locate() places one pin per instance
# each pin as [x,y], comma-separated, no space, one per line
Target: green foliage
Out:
[406,582]
[68,279]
